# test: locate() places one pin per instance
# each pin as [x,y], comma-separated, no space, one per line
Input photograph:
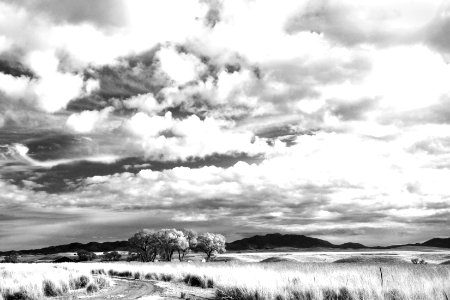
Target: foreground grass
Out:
[30,281]
[278,281]
[281,281]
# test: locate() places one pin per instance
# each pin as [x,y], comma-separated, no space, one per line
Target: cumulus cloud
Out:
[344,103]
[167,138]
[86,121]
[180,67]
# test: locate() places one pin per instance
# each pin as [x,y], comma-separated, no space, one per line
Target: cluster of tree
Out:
[84,255]
[111,256]
[148,244]
[12,258]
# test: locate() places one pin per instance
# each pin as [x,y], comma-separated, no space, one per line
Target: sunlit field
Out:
[37,281]
[283,280]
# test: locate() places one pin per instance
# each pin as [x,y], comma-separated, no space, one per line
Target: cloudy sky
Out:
[321,117]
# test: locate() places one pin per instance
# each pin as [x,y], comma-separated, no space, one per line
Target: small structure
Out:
[62,259]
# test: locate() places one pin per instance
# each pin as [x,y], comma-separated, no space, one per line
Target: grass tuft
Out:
[50,289]
[92,288]
[198,281]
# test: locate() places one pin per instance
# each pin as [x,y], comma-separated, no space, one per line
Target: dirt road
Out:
[143,290]
[122,289]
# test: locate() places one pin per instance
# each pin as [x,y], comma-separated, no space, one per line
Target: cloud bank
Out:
[317,117]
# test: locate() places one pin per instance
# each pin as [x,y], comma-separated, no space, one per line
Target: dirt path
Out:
[144,290]
[128,289]
[122,289]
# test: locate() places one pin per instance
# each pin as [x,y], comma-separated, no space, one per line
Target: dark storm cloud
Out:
[14,67]
[131,76]
[64,177]
[101,13]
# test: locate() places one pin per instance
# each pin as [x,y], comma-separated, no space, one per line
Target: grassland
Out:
[369,279]
[32,281]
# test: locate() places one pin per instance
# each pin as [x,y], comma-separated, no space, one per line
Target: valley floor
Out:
[288,275]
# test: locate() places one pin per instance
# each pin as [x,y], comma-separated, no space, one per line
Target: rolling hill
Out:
[257,242]
[277,240]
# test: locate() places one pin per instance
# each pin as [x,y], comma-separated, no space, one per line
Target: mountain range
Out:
[257,242]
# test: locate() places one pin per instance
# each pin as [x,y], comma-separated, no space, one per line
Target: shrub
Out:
[199,281]
[12,258]
[393,295]
[102,282]
[166,277]
[98,272]
[78,282]
[84,255]
[237,293]
[112,256]
[20,295]
[92,288]
[418,261]
[137,275]
[64,287]
[50,289]
[151,276]
[124,274]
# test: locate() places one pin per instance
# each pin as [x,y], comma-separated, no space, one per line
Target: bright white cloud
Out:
[180,67]
[86,121]
[167,138]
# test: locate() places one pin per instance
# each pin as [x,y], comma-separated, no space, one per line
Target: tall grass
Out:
[277,281]
[286,281]
[28,281]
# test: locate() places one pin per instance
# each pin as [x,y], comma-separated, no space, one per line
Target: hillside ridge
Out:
[257,242]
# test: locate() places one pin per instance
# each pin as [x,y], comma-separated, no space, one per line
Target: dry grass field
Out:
[237,280]
[38,281]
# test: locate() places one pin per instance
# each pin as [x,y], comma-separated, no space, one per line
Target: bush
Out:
[112,256]
[237,293]
[124,274]
[79,282]
[151,276]
[50,289]
[21,295]
[418,261]
[166,277]
[98,272]
[198,281]
[12,259]
[84,255]
[92,288]
[64,287]
[102,282]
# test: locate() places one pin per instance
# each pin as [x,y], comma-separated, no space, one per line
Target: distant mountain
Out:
[277,240]
[257,242]
[352,246]
[438,242]
[74,247]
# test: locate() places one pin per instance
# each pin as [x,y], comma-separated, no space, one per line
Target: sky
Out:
[324,118]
